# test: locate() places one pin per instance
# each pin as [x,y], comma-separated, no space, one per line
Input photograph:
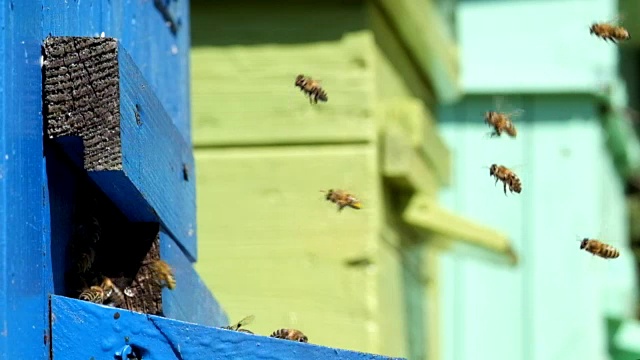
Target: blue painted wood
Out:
[151,185]
[161,56]
[23,225]
[508,49]
[82,330]
[190,301]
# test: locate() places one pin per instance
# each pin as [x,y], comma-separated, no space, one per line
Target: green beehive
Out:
[269,243]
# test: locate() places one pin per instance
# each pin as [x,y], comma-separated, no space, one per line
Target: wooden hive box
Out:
[269,244]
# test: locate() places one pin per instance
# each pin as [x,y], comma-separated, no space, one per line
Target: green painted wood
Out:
[424,34]
[534,46]
[243,91]
[285,254]
[569,191]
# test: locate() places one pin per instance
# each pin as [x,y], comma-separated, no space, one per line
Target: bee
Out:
[237,326]
[608,31]
[113,292]
[508,178]
[342,199]
[290,334]
[94,294]
[501,122]
[311,88]
[86,260]
[163,274]
[598,248]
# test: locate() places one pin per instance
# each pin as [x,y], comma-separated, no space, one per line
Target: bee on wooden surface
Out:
[508,178]
[94,294]
[290,334]
[311,88]
[238,326]
[163,274]
[342,199]
[598,248]
[112,292]
[610,32]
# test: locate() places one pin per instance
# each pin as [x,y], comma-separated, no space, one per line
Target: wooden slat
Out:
[82,330]
[421,130]
[243,88]
[423,31]
[24,220]
[403,165]
[425,214]
[143,31]
[94,91]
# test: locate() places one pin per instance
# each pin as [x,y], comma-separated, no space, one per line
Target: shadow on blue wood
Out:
[191,300]
[147,138]
[82,330]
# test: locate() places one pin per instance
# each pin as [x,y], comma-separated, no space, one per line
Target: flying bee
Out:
[342,199]
[501,122]
[113,292]
[94,294]
[290,334]
[508,178]
[610,32]
[163,274]
[238,326]
[598,248]
[311,88]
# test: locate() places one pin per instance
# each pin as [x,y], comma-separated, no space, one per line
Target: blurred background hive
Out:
[418,272]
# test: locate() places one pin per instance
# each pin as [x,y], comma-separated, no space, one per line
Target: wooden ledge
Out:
[107,119]
[95,331]
[425,214]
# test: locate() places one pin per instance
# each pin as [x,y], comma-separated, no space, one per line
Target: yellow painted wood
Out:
[420,127]
[424,213]
[425,34]
[432,318]
[397,75]
[243,90]
[272,246]
[403,165]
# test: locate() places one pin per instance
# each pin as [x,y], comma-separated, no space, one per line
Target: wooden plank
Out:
[243,86]
[425,214]
[83,330]
[403,165]
[190,301]
[121,126]
[142,30]
[397,73]
[283,268]
[24,226]
[423,32]
[420,127]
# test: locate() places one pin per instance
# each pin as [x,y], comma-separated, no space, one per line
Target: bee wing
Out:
[498,102]
[245,321]
[515,113]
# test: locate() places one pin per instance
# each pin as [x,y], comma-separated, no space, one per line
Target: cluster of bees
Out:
[285,334]
[100,289]
[503,123]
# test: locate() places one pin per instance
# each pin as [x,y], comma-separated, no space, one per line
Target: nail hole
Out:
[185,172]
[137,112]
